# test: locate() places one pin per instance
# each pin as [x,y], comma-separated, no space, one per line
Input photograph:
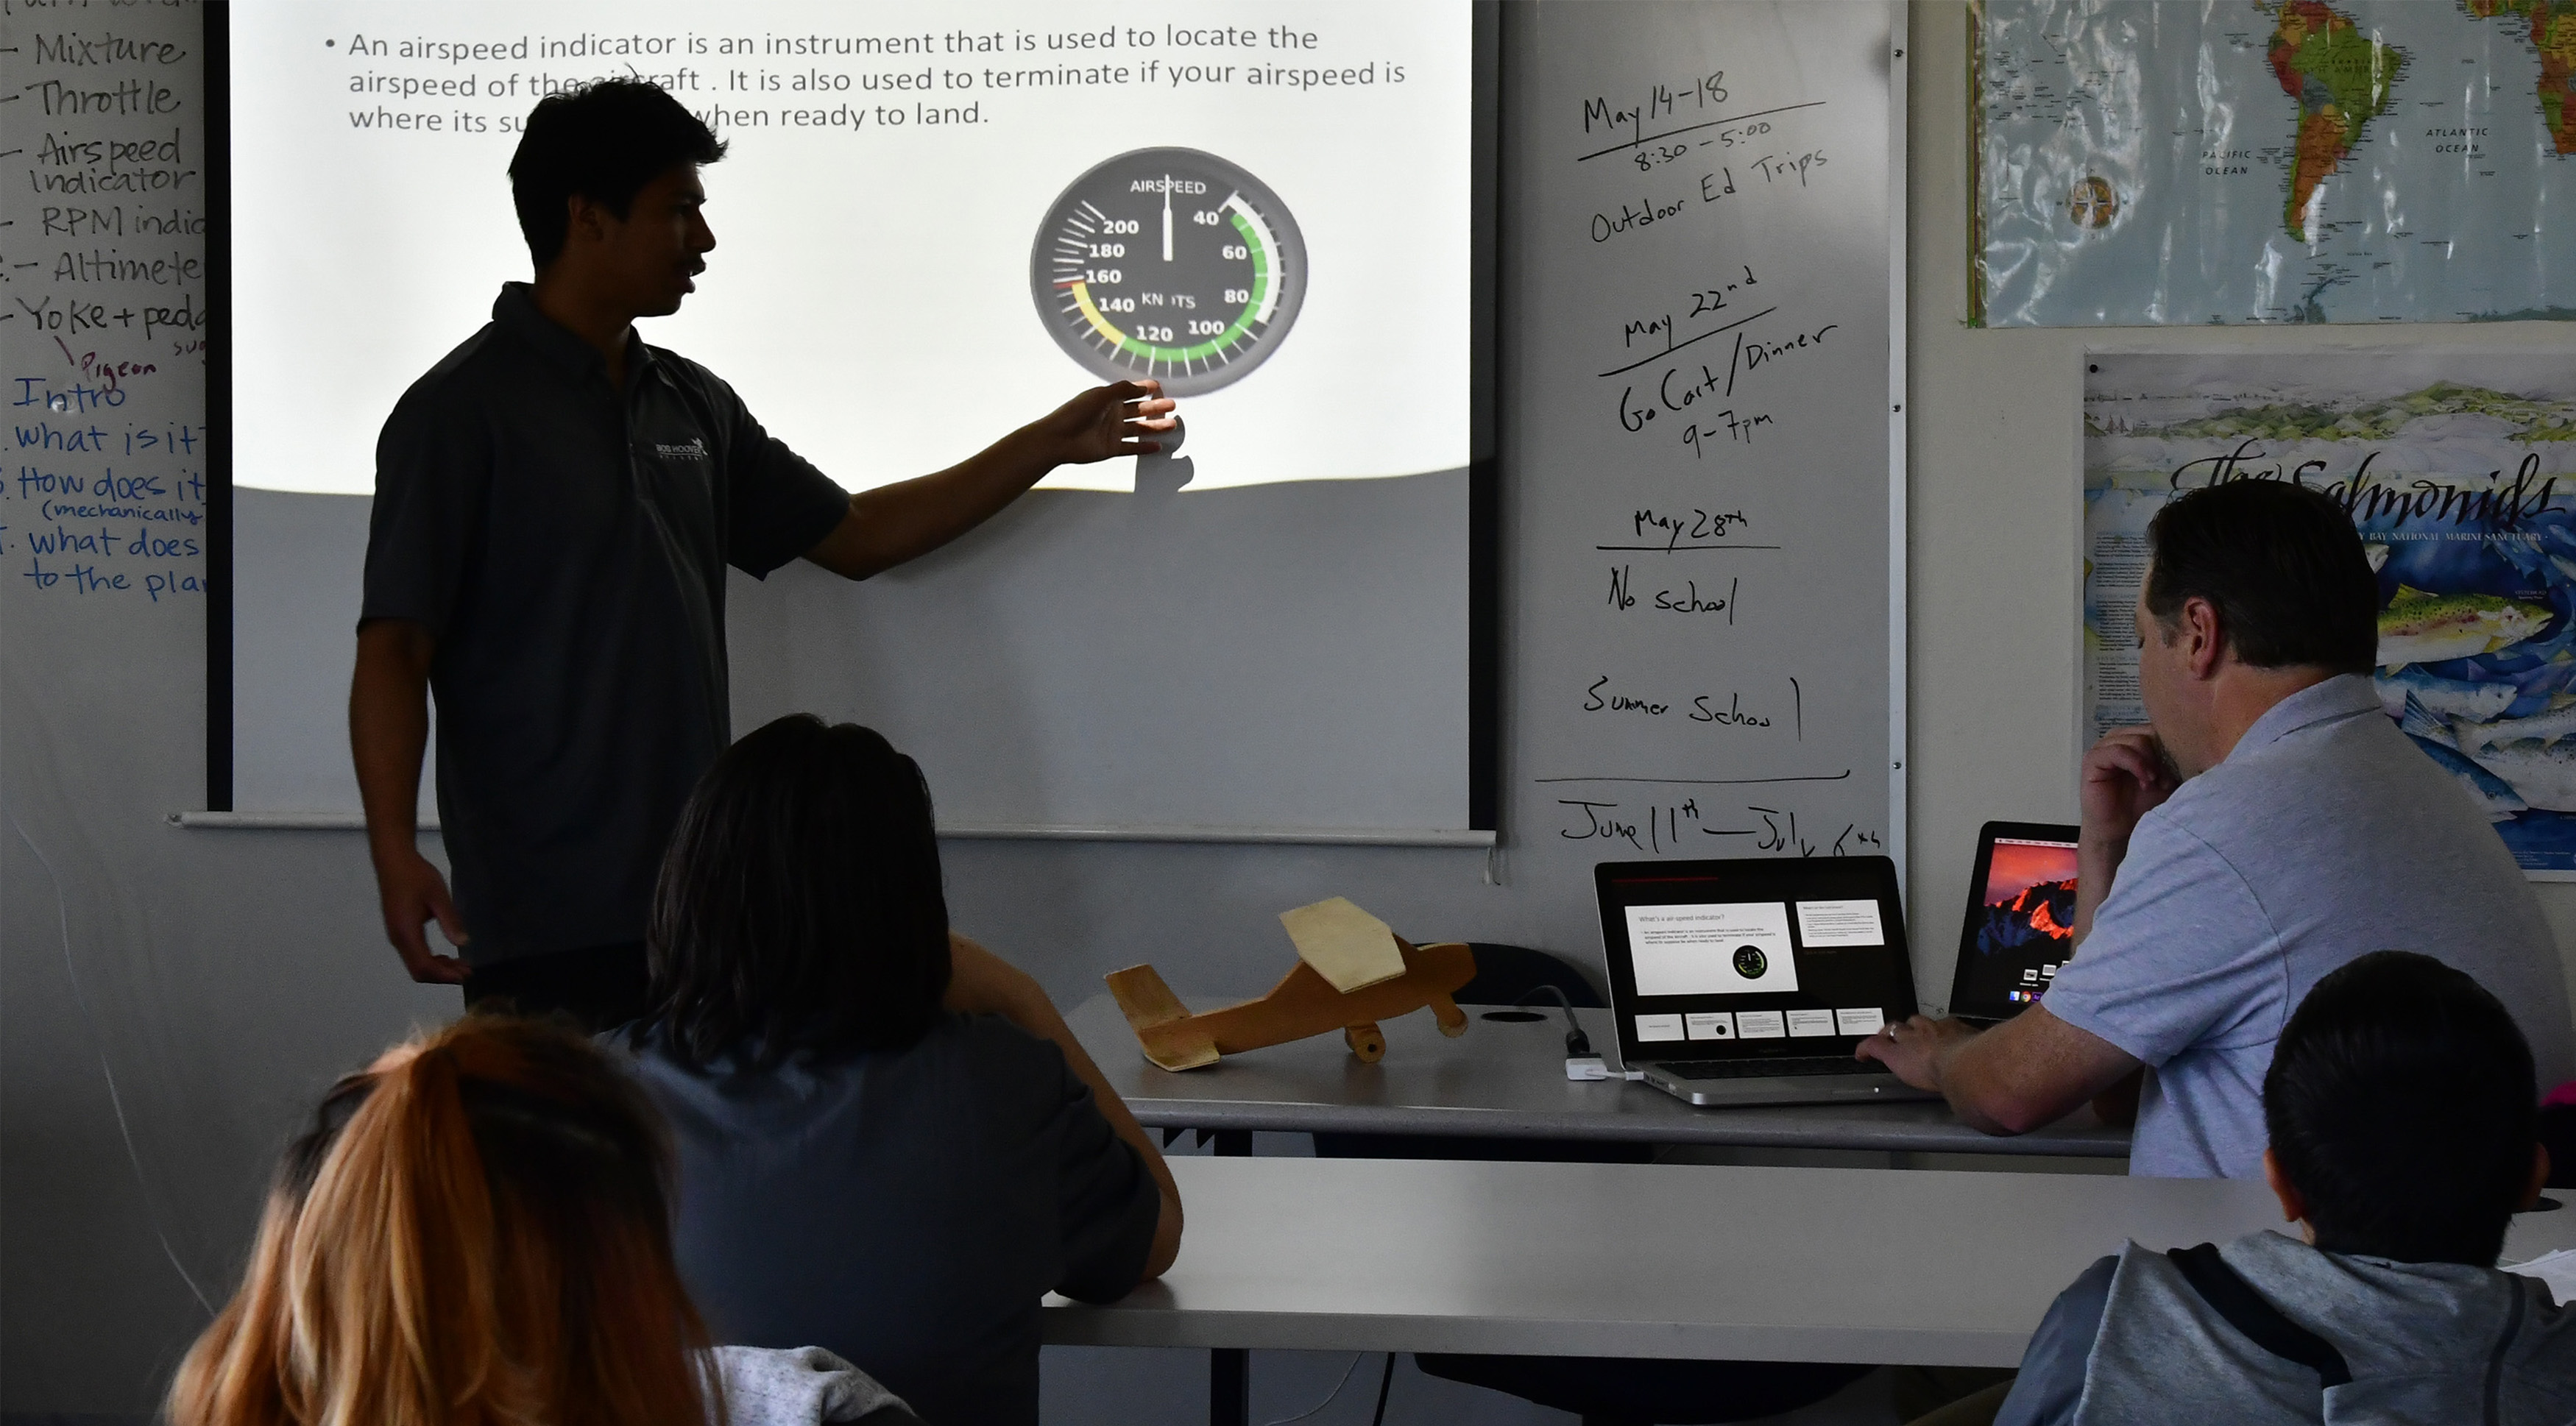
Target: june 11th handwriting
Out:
[1659,827]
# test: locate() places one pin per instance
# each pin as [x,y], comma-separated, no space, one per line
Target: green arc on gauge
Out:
[1213,345]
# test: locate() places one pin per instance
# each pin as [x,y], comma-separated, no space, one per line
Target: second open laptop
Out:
[1752,981]
[2021,920]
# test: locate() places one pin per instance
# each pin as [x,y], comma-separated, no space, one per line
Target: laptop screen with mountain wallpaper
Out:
[2021,919]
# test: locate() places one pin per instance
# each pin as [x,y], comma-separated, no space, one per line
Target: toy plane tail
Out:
[1160,1020]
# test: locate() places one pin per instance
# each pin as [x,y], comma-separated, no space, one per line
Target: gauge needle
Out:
[1167,218]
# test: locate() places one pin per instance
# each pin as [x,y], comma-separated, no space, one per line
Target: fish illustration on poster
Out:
[2459,471]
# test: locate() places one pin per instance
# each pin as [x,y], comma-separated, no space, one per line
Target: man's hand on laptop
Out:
[2024,1074]
[1912,1049]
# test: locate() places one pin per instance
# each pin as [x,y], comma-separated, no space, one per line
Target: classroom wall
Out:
[171,1001]
[1997,477]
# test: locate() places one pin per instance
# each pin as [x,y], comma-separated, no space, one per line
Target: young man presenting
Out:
[556,503]
[2269,825]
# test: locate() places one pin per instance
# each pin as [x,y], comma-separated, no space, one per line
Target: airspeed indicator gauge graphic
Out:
[1172,264]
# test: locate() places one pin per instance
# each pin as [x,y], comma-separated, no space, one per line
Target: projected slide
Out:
[934,223]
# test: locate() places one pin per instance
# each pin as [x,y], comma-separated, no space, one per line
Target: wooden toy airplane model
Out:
[1307,1002]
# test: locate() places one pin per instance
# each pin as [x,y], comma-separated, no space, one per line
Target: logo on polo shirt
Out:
[696,449]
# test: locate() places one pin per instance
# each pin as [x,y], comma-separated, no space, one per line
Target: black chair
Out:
[1510,975]
[1604,1391]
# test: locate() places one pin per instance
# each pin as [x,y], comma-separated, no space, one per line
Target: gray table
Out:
[1661,1260]
[1505,1080]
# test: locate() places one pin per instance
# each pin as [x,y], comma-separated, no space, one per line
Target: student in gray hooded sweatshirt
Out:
[2402,1113]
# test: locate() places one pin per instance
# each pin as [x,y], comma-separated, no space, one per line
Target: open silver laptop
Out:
[1752,981]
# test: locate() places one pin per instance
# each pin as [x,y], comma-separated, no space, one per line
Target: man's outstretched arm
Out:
[2024,1074]
[894,523]
[388,732]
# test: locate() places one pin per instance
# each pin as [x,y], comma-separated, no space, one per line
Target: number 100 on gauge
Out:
[1172,264]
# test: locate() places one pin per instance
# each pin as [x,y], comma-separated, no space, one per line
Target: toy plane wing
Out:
[1302,1004]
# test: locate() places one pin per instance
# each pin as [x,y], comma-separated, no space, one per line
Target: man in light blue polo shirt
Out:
[2269,826]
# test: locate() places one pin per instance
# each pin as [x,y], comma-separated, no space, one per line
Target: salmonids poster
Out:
[2459,470]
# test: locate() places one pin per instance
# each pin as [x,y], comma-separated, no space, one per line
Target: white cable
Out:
[116,1101]
[1327,1401]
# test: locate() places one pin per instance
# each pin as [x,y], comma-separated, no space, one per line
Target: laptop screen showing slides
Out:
[1752,981]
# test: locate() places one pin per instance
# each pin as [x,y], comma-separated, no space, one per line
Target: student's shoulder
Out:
[998,1065]
[993,1041]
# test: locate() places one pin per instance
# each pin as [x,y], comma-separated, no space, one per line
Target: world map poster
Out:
[2459,471]
[2147,162]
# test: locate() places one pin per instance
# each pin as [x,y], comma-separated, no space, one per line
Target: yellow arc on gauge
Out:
[1169,264]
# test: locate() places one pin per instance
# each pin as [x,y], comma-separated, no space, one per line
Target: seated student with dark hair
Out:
[890,1144]
[2401,1106]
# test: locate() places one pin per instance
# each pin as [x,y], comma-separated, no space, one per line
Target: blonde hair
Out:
[475,1232]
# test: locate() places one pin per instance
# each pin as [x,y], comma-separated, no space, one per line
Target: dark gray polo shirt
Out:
[566,545]
[904,1209]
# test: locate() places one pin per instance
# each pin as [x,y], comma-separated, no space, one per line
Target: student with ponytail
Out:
[475,1231]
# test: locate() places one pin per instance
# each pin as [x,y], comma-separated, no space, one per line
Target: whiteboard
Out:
[1704,434]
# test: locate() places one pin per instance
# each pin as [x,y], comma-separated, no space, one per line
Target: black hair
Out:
[2280,563]
[604,141]
[800,909]
[2403,1106]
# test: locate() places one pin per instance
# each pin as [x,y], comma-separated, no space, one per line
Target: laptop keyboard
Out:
[1786,1067]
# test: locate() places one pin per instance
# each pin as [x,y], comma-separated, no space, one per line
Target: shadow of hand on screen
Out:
[1166,471]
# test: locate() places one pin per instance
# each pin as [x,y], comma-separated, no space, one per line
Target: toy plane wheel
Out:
[1366,1041]
[1446,1014]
